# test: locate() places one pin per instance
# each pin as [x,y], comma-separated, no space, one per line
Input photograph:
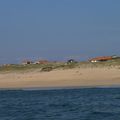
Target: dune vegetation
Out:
[57,65]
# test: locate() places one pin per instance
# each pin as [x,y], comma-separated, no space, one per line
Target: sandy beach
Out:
[77,77]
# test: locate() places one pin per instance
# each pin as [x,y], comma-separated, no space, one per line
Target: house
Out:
[41,62]
[71,61]
[115,57]
[26,62]
[100,59]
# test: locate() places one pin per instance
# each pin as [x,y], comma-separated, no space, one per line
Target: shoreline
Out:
[60,88]
[68,78]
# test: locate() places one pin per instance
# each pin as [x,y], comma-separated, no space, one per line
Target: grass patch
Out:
[52,66]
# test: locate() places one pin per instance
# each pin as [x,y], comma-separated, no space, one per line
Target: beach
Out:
[76,77]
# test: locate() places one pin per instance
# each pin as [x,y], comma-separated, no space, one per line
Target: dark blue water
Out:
[64,104]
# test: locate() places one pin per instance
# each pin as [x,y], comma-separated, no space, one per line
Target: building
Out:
[26,62]
[41,62]
[71,61]
[100,59]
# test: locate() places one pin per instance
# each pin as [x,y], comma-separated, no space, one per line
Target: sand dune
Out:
[62,78]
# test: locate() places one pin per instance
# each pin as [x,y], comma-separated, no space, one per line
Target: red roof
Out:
[42,62]
[103,58]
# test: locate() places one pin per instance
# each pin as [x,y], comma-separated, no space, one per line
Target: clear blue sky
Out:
[58,29]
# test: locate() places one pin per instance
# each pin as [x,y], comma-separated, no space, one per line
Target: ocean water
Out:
[62,104]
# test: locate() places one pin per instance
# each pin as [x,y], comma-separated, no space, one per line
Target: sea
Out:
[60,104]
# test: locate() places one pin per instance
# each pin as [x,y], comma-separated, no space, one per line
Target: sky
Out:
[58,29]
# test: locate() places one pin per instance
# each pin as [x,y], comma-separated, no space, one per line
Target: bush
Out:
[46,69]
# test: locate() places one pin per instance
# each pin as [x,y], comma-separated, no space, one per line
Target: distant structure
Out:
[42,62]
[115,57]
[103,58]
[98,59]
[26,62]
[71,61]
